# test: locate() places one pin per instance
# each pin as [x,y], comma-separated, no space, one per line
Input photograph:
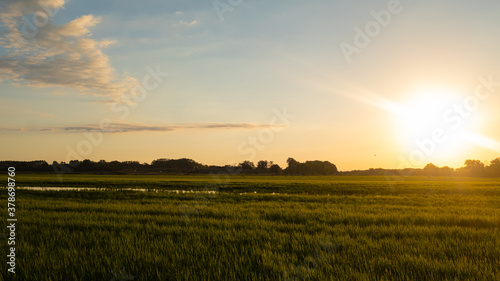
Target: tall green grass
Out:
[363,230]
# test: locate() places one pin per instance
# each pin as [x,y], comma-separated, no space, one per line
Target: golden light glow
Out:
[425,111]
[430,123]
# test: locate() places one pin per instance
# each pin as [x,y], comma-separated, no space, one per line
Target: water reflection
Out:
[178,191]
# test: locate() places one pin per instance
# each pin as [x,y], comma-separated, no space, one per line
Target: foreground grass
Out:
[364,230]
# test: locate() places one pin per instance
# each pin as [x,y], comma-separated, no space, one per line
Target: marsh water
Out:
[39,188]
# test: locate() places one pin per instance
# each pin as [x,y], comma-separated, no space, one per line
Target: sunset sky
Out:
[362,84]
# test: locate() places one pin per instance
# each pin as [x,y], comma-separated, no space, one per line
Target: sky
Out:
[362,84]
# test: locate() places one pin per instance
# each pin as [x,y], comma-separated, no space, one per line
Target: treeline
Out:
[171,166]
[472,168]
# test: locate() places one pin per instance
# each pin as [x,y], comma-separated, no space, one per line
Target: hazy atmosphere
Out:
[362,84]
[249,140]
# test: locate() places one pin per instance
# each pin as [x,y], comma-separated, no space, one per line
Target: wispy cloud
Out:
[188,23]
[8,129]
[56,56]
[117,128]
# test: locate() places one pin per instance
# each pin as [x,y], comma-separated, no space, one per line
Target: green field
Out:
[311,228]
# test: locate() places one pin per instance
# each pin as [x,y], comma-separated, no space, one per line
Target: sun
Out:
[424,111]
[432,125]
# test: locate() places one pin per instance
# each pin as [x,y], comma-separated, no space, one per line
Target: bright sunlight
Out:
[435,122]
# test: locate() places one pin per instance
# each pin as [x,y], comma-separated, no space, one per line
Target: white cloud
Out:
[40,54]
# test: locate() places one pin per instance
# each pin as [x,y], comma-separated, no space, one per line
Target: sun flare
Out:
[432,122]
[425,111]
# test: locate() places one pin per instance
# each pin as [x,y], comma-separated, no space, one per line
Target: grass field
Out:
[312,228]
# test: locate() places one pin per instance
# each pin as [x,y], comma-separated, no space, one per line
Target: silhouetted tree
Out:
[319,168]
[430,170]
[446,171]
[493,170]
[263,166]
[275,169]
[475,167]
[293,166]
[247,166]
[183,165]
[310,168]
[26,166]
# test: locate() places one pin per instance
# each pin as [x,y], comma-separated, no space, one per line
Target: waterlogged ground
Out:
[312,228]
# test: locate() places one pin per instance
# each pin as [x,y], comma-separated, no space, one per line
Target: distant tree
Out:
[431,170]
[493,169]
[293,166]
[160,163]
[310,168]
[319,168]
[86,166]
[263,166]
[74,163]
[475,167]
[183,165]
[275,169]
[247,166]
[446,171]
[27,166]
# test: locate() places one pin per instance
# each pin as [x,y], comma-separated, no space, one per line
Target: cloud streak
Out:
[40,54]
[120,128]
